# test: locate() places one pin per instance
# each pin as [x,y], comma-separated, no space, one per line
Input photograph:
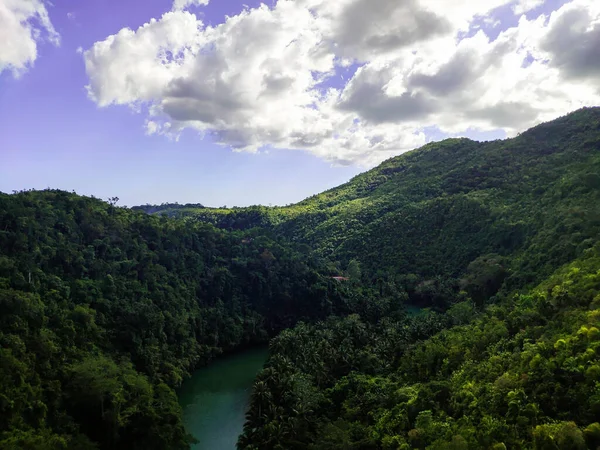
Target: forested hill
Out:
[431,212]
[103,311]
[516,370]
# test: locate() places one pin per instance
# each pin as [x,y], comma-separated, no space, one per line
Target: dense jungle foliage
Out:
[522,374]
[105,310]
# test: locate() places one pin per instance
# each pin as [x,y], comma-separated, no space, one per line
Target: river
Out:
[215,398]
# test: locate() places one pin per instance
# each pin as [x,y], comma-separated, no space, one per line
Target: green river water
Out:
[215,398]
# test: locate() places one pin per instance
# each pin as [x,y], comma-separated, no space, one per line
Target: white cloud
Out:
[151,127]
[180,5]
[571,42]
[364,28]
[134,66]
[523,6]
[259,79]
[23,23]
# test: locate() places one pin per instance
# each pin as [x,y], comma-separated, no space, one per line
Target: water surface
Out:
[414,311]
[215,398]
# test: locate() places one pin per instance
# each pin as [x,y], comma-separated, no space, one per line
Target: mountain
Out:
[428,214]
[523,372]
[105,310]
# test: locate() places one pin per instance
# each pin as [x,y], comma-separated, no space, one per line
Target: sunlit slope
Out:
[433,210]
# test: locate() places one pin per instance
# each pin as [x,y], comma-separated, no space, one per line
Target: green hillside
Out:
[523,374]
[429,213]
[517,218]
[105,310]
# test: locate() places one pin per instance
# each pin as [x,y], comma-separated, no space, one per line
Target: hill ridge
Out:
[507,194]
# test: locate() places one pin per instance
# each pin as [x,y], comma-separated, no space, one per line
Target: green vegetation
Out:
[523,374]
[429,213]
[504,237]
[105,310]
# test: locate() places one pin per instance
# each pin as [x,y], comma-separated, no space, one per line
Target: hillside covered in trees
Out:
[420,219]
[504,237]
[522,374]
[104,310]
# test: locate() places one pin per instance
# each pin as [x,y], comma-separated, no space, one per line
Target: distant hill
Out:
[168,208]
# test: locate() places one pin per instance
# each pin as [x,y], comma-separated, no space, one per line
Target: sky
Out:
[238,103]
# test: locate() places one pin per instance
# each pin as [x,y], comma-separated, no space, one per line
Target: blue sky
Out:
[99,110]
[53,135]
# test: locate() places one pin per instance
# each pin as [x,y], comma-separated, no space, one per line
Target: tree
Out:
[353,270]
[484,277]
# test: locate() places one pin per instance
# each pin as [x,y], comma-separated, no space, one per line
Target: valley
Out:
[446,299]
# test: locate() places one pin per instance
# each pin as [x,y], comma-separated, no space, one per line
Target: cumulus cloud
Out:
[23,23]
[572,41]
[363,28]
[179,5]
[366,94]
[270,75]
[133,66]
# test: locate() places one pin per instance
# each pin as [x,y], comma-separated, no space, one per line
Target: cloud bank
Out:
[272,76]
